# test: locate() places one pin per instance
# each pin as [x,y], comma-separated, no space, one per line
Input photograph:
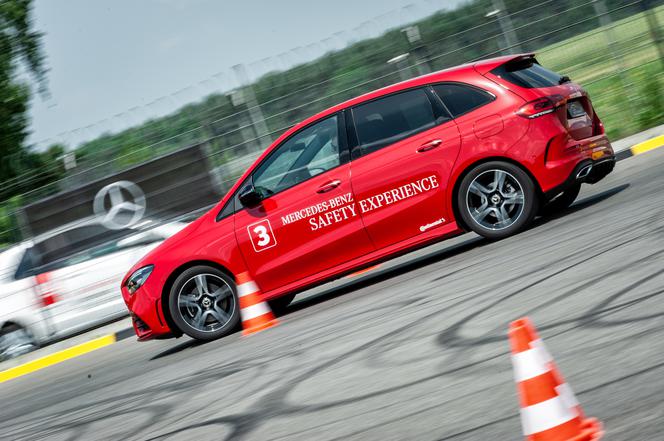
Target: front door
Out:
[406,145]
[307,220]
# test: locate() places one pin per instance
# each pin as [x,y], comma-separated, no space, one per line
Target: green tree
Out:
[20,51]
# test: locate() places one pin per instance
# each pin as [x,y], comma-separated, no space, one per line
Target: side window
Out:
[460,99]
[55,250]
[310,152]
[390,119]
[28,263]
[227,210]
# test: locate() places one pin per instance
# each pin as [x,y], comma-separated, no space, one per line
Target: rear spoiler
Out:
[485,66]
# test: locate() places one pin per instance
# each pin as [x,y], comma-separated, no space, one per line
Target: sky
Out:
[115,63]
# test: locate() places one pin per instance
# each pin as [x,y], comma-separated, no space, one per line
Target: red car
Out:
[481,147]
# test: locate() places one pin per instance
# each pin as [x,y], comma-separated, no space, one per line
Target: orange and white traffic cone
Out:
[549,409]
[255,313]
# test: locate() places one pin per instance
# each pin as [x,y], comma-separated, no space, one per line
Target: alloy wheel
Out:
[206,302]
[495,199]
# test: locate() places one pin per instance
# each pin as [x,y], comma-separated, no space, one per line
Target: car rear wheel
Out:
[497,199]
[203,303]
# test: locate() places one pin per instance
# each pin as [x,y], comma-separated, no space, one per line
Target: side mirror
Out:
[249,197]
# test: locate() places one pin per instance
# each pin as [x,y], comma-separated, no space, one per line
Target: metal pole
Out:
[506,27]
[653,27]
[255,113]
[418,49]
[605,22]
[401,66]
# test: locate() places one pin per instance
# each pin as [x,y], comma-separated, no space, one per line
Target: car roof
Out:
[481,66]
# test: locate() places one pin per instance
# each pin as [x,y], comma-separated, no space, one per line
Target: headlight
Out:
[138,278]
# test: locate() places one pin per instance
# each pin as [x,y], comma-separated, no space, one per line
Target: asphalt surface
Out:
[415,350]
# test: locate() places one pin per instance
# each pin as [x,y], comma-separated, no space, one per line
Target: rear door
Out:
[405,145]
[307,221]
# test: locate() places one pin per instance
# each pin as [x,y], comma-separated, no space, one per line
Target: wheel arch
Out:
[171,280]
[19,324]
[472,165]
[9,323]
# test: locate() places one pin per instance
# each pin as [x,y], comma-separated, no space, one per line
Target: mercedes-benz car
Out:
[482,147]
[65,281]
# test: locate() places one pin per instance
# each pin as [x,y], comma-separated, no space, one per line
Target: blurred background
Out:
[73,191]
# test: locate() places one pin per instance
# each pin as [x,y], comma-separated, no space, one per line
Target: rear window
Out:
[460,98]
[527,73]
[68,248]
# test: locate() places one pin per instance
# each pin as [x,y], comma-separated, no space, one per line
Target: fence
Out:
[612,47]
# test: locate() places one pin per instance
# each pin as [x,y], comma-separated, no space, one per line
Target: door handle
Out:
[328,186]
[429,145]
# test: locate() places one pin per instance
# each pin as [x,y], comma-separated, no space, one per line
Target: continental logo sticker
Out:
[440,221]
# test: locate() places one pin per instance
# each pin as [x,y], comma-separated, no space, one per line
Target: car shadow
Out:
[380,275]
[188,344]
[581,204]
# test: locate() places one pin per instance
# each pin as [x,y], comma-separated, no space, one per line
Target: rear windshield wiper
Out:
[564,79]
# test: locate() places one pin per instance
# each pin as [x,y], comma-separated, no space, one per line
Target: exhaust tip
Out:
[585,171]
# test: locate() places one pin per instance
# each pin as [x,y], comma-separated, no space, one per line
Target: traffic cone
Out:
[255,313]
[549,409]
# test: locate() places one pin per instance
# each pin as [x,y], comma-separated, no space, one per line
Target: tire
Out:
[497,199]
[562,201]
[14,341]
[203,303]
[280,304]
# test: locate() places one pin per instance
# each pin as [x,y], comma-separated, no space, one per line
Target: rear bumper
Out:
[587,171]
[552,154]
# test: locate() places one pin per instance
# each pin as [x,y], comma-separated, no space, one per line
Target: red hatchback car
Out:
[481,147]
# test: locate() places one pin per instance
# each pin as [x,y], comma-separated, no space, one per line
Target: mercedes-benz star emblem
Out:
[119,205]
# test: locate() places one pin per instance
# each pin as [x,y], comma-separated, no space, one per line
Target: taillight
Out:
[540,106]
[47,296]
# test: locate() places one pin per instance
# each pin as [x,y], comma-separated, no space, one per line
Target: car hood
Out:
[167,244]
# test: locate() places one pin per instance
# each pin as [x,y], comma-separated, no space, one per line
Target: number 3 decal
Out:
[261,235]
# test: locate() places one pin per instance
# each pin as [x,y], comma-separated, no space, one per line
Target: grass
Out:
[620,68]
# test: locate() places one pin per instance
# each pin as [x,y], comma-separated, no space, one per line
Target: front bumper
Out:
[146,314]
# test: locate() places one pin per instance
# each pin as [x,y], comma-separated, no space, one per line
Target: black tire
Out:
[213,308]
[280,304]
[562,201]
[510,209]
[14,341]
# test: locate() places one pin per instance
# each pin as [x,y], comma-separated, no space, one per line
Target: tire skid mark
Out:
[267,379]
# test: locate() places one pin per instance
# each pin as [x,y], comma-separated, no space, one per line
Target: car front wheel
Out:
[203,303]
[497,199]
[15,341]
